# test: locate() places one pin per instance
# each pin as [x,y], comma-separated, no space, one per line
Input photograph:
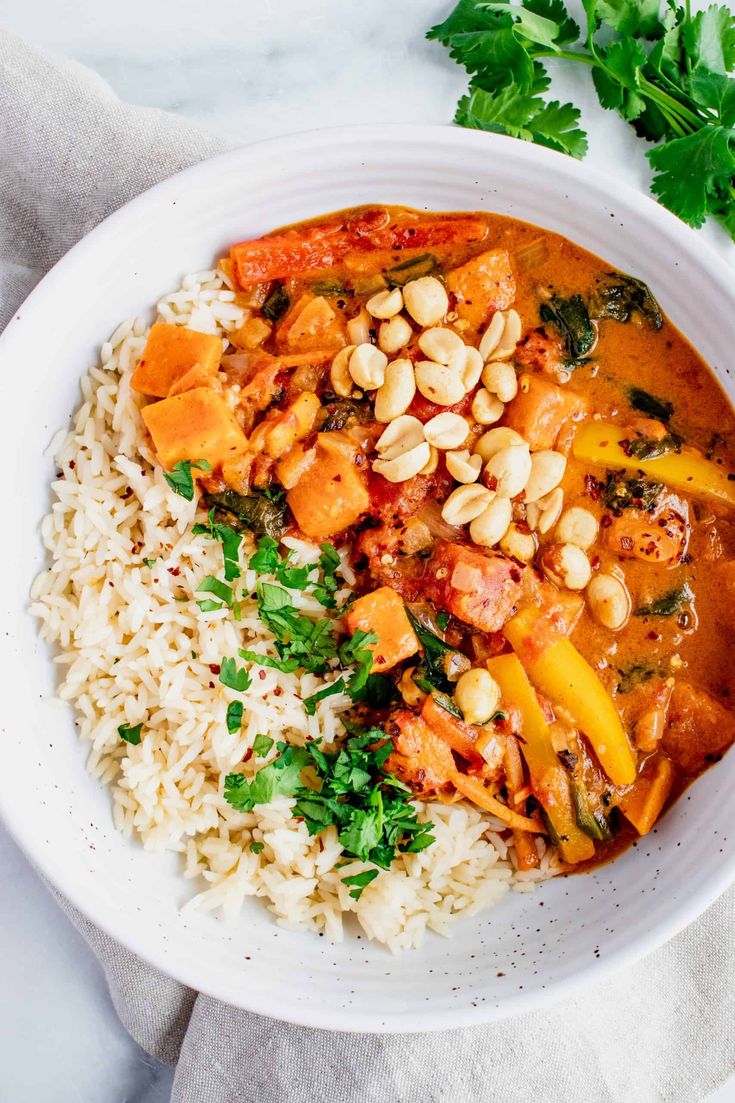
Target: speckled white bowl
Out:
[530,949]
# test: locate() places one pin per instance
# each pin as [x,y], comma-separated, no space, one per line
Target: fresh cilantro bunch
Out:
[663,69]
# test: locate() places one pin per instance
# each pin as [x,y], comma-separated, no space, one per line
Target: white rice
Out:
[131,653]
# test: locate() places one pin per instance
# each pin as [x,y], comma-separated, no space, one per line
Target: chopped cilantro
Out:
[131,734]
[261,745]
[256,847]
[311,702]
[149,563]
[179,478]
[220,590]
[232,676]
[234,716]
[360,881]
[280,778]
[230,540]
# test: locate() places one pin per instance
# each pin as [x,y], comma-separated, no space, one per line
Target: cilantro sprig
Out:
[663,68]
[180,478]
[371,810]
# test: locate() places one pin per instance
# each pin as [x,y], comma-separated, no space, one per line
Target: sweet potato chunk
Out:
[660,537]
[170,352]
[420,759]
[331,494]
[699,729]
[482,590]
[382,612]
[541,409]
[196,425]
[643,802]
[310,324]
[482,285]
[455,733]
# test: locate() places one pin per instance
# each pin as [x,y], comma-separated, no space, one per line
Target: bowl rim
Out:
[534,157]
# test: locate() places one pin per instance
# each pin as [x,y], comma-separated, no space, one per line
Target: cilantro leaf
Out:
[233,718]
[232,677]
[212,585]
[265,559]
[280,778]
[256,847]
[691,170]
[631,18]
[311,702]
[360,881]
[261,745]
[524,115]
[230,540]
[131,734]
[710,37]
[180,479]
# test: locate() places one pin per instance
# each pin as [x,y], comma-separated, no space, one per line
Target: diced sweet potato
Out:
[456,734]
[170,352]
[540,351]
[541,409]
[196,425]
[482,285]
[699,729]
[310,324]
[420,759]
[660,537]
[643,802]
[194,377]
[383,613]
[482,590]
[278,434]
[331,494]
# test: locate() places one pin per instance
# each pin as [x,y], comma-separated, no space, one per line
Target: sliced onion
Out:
[431,515]
[415,537]
[532,255]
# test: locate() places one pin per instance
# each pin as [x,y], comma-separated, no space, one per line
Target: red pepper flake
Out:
[515,574]
[595,563]
[175,571]
[72,464]
[277,691]
[605,521]
[654,635]
[626,543]
[592,487]
[261,675]
[215,668]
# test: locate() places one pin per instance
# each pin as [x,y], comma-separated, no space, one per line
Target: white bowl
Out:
[531,948]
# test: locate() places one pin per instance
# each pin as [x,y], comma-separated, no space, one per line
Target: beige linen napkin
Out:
[664,1030]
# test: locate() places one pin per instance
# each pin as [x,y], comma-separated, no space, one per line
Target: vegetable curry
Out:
[533,473]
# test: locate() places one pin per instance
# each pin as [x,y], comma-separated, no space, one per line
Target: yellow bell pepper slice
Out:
[548,777]
[563,675]
[598,443]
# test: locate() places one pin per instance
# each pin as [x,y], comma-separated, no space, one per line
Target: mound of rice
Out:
[134,647]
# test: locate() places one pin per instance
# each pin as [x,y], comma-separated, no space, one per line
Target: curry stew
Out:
[533,472]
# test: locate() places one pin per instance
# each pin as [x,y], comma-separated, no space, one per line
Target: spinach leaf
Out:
[401,274]
[668,604]
[620,297]
[340,412]
[277,303]
[571,320]
[262,513]
[648,448]
[650,404]
[621,491]
[430,670]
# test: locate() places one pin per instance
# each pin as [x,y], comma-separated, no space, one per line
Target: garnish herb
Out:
[220,590]
[230,540]
[179,478]
[233,718]
[256,847]
[280,778]
[649,448]
[150,563]
[233,677]
[635,675]
[664,69]
[667,605]
[650,404]
[430,673]
[370,808]
[131,734]
[570,319]
[261,745]
[621,296]
[360,881]
[312,701]
[276,304]
[442,620]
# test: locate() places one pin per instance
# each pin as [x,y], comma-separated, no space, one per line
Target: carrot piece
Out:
[476,792]
[170,352]
[325,244]
[382,611]
[196,425]
[459,736]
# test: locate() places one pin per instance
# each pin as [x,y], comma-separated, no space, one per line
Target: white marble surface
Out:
[250,70]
